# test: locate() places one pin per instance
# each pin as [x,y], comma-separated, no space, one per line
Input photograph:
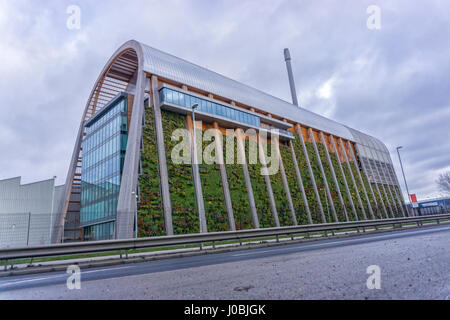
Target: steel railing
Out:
[167,241]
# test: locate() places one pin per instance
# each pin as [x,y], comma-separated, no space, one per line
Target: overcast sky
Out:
[392,83]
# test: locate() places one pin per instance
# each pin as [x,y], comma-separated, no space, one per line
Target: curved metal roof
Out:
[368,141]
[171,67]
[177,69]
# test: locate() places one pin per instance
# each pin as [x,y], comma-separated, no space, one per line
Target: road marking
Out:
[4,284]
[14,282]
[340,241]
[29,280]
[106,269]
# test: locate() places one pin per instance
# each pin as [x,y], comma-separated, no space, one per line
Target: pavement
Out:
[414,264]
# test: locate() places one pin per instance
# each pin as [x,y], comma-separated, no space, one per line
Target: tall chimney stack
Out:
[287,58]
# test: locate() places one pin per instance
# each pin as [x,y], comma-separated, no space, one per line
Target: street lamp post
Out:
[195,160]
[404,177]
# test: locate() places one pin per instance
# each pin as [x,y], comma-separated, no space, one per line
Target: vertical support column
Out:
[223,176]
[382,185]
[162,161]
[311,173]
[361,180]
[349,194]
[324,177]
[248,183]
[285,183]
[196,176]
[333,174]
[353,178]
[300,182]
[263,161]
[369,183]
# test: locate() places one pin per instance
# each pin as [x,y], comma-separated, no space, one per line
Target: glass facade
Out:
[103,231]
[104,149]
[187,101]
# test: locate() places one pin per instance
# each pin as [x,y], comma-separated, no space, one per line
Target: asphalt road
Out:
[414,264]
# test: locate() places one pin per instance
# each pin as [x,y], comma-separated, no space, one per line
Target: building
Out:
[433,206]
[28,211]
[123,182]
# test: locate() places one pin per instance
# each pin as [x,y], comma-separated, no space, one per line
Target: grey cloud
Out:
[391,83]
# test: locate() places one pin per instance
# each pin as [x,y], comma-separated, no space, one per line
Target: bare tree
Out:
[444,182]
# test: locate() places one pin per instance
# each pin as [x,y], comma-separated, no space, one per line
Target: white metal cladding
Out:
[173,68]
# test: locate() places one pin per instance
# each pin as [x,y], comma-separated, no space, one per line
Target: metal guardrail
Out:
[167,241]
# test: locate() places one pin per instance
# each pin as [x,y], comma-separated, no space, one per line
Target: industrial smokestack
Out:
[287,58]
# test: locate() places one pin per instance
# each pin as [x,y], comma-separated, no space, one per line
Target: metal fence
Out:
[26,229]
[165,241]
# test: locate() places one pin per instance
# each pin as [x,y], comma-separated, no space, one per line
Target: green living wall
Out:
[385,200]
[340,178]
[331,185]
[150,213]
[181,185]
[393,200]
[279,193]
[306,178]
[291,175]
[238,190]
[393,205]
[399,193]
[379,210]
[319,181]
[398,210]
[215,209]
[184,212]
[351,186]
[370,195]
[262,202]
[361,191]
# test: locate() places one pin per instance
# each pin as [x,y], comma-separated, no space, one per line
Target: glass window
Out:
[232,114]
[228,111]
[104,139]
[203,106]
[170,96]
[187,101]
[181,99]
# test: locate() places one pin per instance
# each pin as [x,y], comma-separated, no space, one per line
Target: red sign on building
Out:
[413,198]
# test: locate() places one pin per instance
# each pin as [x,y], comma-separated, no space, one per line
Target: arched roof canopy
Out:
[118,75]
